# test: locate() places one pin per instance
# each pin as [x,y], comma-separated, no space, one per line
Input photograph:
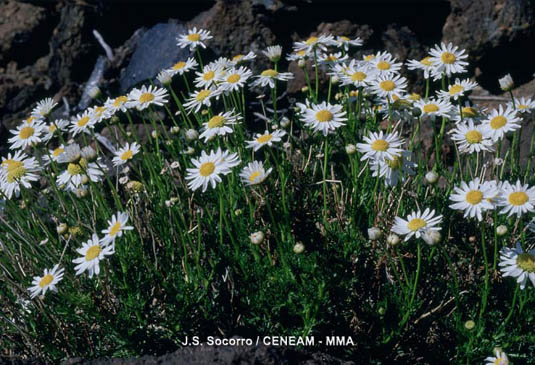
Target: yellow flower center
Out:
[301,53]
[208,75]
[127,155]
[474,197]
[324,116]
[394,164]
[358,76]
[100,109]
[216,121]
[120,100]
[93,252]
[253,176]
[30,119]
[526,262]
[115,229]
[311,40]
[469,111]
[344,38]
[430,108]
[82,122]
[269,73]
[473,136]
[414,97]
[234,78]
[26,132]
[369,57]
[518,198]
[498,122]
[380,145]
[15,170]
[522,106]
[146,98]
[207,168]
[498,361]
[46,280]
[58,151]
[426,61]
[203,95]
[52,128]
[194,37]
[237,58]
[265,138]
[383,65]
[387,85]
[456,89]
[179,65]
[331,58]
[77,168]
[448,57]
[416,223]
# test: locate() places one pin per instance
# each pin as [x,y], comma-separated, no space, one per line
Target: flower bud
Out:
[61,228]
[469,325]
[88,153]
[192,134]
[123,180]
[299,248]
[257,238]
[164,77]
[501,230]
[506,83]
[285,122]
[351,149]
[175,130]
[374,233]
[135,186]
[393,239]
[301,63]
[155,134]
[431,177]
[416,112]
[431,237]
[94,92]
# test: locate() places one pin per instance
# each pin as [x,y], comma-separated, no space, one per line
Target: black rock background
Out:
[47,49]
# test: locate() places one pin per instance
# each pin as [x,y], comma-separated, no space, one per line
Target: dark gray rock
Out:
[156,50]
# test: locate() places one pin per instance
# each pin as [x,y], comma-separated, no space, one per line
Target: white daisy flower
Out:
[100,113]
[116,226]
[516,199]
[471,138]
[425,64]
[53,154]
[202,97]
[219,125]
[448,59]
[79,172]
[358,74]
[379,146]
[142,98]
[519,264]
[242,58]
[387,85]
[344,42]
[164,77]
[92,253]
[436,107]
[26,135]
[474,198]
[57,126]
[71,153]
[394,170]
[273,53]
[266,138]
[332,58]
[268,77]
[322,117]
[43,108]
[417,223]
[523,105]
[49,280]
[194,38]
[501,121]
[457,89]
[320,42]
[297,56]
[209,76]
[208,167]
[385,64]
[17,169]
[235,78]
[82,123]
[254,173]
[182,67]
[119,103]
[500,358]
[125,154]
